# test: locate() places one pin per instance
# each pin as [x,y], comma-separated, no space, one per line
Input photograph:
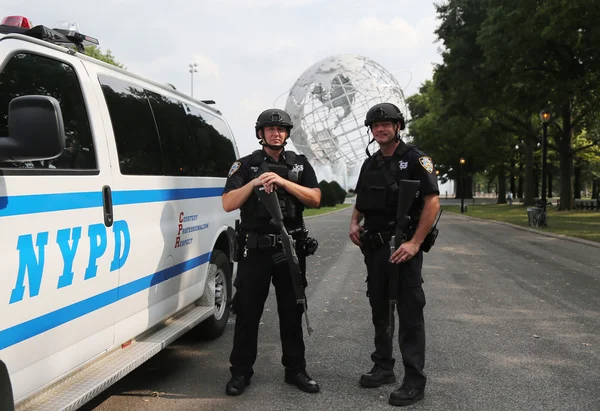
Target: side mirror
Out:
[35,130]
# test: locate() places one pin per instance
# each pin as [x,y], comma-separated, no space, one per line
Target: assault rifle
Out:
[271,202]
[407,191]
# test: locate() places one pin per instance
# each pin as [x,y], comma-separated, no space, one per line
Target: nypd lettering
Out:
[32,255]
[427,164]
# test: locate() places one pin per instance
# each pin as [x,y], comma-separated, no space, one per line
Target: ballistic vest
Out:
[254,214]
[377,196]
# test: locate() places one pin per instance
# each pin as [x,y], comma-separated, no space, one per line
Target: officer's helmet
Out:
[273,117]
[384,112]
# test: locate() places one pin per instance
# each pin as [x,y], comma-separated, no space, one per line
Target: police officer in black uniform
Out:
[377,202]
[295,182]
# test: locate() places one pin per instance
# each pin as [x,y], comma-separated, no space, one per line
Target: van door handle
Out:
[107,206]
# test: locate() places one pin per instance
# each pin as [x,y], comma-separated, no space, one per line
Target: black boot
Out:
[377,377]
[406,395]
[236,385]
[302,381]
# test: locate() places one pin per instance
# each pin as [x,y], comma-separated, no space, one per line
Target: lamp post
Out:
[193,69]
[545,116]
[462,186]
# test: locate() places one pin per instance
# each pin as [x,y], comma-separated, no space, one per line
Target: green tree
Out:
[106,57]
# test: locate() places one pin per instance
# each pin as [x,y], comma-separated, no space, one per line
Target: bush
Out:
[340,193]
[328,195]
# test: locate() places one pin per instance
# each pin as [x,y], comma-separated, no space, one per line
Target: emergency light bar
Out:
[17,21]
[68,34]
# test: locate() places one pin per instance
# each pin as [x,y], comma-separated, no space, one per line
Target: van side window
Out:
[138,145]
[30,74]
[214,142]
[178,148]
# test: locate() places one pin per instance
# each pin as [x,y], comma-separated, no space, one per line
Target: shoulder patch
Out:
[235,167]
[427,164]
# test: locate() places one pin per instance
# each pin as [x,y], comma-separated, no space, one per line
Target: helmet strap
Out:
[271,146]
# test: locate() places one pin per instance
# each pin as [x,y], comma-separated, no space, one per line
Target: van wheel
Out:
[6,394]
[214,326]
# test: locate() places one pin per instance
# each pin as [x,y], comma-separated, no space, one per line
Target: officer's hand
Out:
[355,230]
[404,253]
[271,181]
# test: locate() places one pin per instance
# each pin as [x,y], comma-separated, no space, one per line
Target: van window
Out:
[213,141]
[179,150]
[30,74]
[138,145]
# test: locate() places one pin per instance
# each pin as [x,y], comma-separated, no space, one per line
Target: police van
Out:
[113,237]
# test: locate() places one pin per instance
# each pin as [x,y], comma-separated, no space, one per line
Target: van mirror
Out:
[35,130]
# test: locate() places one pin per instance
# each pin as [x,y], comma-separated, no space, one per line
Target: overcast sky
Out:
[249,52]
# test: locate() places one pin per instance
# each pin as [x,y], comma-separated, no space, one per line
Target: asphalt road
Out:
[512,320]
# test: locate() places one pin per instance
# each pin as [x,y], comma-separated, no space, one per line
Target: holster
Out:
[238,243]
[372,241]
[429,240]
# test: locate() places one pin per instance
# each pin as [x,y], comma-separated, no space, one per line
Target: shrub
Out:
[340,193]
[328,195]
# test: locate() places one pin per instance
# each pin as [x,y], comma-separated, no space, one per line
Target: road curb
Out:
[331,212]
[531,230]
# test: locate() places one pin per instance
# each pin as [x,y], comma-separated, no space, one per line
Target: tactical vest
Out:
[253,212]
[378,191]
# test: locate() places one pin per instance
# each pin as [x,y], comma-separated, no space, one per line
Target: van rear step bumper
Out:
[74,391]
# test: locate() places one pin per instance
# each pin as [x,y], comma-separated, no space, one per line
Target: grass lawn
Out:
[576,223]
[317,211]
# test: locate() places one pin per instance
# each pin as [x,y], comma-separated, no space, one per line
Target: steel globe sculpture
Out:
[328,104]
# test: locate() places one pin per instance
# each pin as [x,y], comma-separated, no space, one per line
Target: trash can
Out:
[531,211]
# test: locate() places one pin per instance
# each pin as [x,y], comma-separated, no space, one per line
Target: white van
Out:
[113,237]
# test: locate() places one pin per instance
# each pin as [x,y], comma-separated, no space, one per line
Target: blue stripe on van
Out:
[39,325]
[45,203]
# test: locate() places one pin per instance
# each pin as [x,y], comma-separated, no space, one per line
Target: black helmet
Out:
[384,112]
[273,117]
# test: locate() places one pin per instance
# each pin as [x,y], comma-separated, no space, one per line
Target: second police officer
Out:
[295,182]
[376,202]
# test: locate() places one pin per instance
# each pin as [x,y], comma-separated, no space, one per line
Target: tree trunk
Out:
[536,179]
[513,177]
[564,142]
[501,186]
[529,177]
[595,188]
[520,189]
[577,184]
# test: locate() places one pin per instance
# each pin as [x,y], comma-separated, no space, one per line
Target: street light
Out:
[462,186]
[193,69]
[546,117]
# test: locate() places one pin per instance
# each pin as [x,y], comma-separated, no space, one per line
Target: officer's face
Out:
[384,131]
[275,135]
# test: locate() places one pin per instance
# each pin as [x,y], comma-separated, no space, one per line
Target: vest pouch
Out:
[372,198]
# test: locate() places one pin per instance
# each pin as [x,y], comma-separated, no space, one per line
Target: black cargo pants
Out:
[255,272]
[411,301]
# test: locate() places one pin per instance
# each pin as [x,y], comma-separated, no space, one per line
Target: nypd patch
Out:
[427,164]
[235,167]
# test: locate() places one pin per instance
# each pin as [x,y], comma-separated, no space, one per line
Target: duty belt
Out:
[257,240]
[372,240]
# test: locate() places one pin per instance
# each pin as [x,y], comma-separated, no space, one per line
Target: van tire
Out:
[6,395]
[214,326]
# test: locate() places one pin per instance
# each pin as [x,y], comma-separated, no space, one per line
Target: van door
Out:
[60,250]
[157,191]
